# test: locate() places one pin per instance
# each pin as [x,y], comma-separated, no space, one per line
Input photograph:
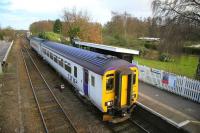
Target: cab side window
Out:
[110,82]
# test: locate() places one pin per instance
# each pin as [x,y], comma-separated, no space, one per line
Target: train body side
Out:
[35,43]
[94,92]
[112,88]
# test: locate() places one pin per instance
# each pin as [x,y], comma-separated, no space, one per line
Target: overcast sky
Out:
[19,14]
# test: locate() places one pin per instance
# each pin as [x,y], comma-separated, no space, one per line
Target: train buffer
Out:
[179,111]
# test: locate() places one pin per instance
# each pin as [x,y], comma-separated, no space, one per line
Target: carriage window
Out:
[110,84]
[68,68]
[47,53]
[75,71]
[93,81]
[55,59]
[44,51]
[51,55]
[60,62]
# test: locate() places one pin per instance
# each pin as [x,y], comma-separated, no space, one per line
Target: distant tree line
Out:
[124,27]
[75,24]
[41,26]
[7,33]
[78,24]
[123,24]
[173,22]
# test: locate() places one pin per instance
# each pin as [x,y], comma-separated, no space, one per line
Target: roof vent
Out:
[102,56]
[110,56]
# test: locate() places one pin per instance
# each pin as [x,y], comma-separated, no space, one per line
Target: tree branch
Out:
[198,3]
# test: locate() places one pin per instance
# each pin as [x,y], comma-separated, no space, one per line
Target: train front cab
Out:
[120,92]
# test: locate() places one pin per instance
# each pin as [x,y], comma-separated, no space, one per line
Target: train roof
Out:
[95,62]
[37,39]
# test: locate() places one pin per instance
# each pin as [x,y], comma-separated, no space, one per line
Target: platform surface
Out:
[182,111]
[3,49]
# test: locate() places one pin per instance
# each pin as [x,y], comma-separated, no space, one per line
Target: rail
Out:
[141,127]
[127,126]
[51,92]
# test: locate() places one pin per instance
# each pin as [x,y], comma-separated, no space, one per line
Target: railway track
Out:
[128,126]
[52,114]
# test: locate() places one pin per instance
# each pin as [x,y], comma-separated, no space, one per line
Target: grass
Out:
[184,65]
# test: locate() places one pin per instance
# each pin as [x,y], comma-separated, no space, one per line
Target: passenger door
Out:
[85,81]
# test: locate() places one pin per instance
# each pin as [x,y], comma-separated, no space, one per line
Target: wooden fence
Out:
[179,85]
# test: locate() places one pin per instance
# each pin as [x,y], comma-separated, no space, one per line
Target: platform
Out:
[181,111]
[4,50]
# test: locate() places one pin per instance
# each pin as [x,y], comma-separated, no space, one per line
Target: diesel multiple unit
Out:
[110,83]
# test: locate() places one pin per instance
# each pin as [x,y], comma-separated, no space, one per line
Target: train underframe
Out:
[116,115]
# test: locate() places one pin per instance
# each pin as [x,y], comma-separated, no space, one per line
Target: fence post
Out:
[161,76]
[183,86]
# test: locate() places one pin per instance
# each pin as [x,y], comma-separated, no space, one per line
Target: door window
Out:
[75,71]
[86,77]
[93,81]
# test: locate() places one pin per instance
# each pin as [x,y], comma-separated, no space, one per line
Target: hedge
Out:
[191,50]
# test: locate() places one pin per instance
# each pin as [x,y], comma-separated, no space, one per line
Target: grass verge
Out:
[184,65]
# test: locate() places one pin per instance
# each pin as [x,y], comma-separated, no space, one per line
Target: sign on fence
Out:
[172,81]
[165,78]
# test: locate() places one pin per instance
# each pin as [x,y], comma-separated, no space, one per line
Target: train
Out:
[109,83]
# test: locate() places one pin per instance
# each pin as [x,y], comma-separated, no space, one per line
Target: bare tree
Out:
[180,22]
[179,10]
[126,25]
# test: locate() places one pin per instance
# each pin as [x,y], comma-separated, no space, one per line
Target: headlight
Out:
[109,103]
[133,96]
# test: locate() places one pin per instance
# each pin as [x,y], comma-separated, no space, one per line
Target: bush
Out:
[115,40]
[1,35]
[143,51]
[150,45]
[164,57]
[7,34]
[50,36]
[191,50]
[65,40]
